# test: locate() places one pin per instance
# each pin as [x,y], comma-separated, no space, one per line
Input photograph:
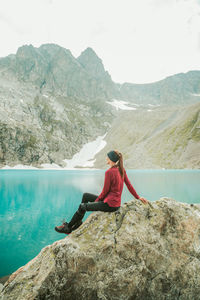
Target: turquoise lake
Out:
[32,202]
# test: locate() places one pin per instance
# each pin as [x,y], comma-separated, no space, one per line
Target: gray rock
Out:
[52,103]
[165,137]
[140,252]
[180,88]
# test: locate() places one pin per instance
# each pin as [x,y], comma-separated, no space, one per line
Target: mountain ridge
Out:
[44,64]
[166,138]
[52,103]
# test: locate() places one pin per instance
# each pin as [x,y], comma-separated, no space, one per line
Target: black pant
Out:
[88,204]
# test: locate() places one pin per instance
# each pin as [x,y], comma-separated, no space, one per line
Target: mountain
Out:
[177,89]
[49,106]
[93,65]
[52,103]
[51,68]
[163,137]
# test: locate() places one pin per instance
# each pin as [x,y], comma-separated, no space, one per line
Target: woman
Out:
[110,198]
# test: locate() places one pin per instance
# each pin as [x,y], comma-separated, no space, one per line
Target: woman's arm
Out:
[106,187]
[131,188]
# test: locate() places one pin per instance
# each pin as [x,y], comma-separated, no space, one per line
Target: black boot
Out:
[76,219]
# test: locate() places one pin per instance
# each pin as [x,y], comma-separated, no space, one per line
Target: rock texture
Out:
[181,88]
[52,103]
[140,252]
[164,137]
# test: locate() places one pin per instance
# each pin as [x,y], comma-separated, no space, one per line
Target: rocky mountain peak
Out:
[26,50]
[34,82]
[53,50]
[30,65]
[92,63]
[90,54]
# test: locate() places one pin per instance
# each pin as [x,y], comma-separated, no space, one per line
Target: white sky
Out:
[138,40]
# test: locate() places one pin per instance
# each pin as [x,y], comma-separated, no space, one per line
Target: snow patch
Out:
[84,158]
[149,110]
[44,167]
[119,104]
[196,95]
[19,167]
[51,166]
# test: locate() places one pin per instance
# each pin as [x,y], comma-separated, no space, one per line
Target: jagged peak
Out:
[89,54]
[90,51]
[26,49]
[51,47]
[90,61]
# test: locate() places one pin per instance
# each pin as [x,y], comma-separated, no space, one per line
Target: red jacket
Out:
[113,186]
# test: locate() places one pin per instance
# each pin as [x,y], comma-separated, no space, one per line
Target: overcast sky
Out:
[138,41]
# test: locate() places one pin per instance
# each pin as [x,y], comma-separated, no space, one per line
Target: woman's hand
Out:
[145,201]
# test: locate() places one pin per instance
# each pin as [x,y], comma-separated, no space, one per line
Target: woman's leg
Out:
[79,214]
[94,206]
[76,220]
[87,197]
[98,206]
[88,204]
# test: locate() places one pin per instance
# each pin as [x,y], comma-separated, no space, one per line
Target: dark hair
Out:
[120,163]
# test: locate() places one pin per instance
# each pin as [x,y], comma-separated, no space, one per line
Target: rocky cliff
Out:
[51,68]
[149,252]
[52,103]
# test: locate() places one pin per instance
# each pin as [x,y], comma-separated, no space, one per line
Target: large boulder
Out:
[140,252]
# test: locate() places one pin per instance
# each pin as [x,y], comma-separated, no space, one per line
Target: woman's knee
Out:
[85,197]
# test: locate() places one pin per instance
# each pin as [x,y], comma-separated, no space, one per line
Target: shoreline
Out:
[49,169]
[30,168]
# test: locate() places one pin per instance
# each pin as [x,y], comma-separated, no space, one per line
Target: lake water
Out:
[32,202]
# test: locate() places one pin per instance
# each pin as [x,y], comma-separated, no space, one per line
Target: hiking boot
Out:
[77,225]
[64,228]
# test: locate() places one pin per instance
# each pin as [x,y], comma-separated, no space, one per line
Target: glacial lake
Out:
[32,202]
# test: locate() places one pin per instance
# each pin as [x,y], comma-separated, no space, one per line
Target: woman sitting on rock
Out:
[110,198]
